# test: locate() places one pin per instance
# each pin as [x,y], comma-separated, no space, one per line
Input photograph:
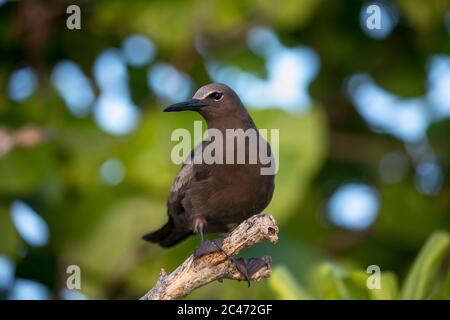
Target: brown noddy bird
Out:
[216,197]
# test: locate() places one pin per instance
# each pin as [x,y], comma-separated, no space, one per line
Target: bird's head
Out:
[211,101]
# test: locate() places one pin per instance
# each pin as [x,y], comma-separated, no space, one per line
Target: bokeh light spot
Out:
[388,18]
[68,294]
[114,111]
[169,83]
[439,85]
[24,289]
[290,71]
[405,119]
[74,87]
[353,206]
[112,172]
[138,50]
[447,21]
[7,269]
[30,225]
[429,178]
[393,167]
[22,84]
[110,69]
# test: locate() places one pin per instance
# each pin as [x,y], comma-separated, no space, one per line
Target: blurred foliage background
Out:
[364,141]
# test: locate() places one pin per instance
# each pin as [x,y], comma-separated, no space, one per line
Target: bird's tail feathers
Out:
[167,236]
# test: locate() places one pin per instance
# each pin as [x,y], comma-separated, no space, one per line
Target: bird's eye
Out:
[216,95]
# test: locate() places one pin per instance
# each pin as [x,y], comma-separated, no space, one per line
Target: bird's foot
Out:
[246,267]
[207,247]
[249,267]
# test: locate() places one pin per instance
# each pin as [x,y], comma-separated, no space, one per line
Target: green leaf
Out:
[116,240]
[443,293]
[356,282]
[331,282]
[301,155]
[388,289]
[285,286]
[19,175]
[446,287]
[420,277]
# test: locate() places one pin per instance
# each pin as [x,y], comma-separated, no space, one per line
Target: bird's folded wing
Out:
[190,172]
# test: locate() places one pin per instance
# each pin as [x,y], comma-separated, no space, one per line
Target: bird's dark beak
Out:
[193,105]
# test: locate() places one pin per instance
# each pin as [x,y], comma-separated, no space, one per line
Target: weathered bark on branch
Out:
[194,273]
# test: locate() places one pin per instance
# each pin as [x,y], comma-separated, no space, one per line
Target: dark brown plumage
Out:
[215,197]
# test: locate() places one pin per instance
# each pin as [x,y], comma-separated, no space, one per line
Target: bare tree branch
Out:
[194,273]
[25,137]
